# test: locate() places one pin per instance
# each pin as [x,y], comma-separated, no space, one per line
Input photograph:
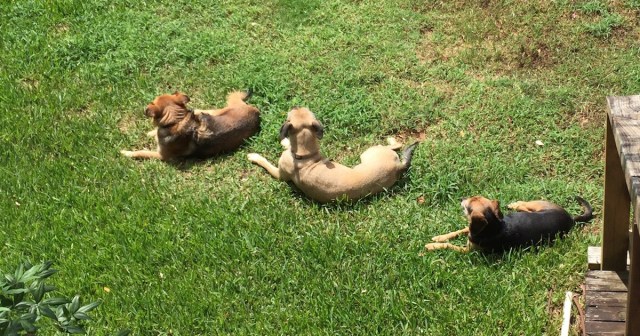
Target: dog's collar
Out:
[303,157]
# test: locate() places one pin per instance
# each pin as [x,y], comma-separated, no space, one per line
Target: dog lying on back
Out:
[324,180]
[533,223]
[185,133]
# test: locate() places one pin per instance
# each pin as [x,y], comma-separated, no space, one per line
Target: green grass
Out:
[219,247]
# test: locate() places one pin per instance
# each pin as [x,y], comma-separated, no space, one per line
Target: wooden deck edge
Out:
[594,255]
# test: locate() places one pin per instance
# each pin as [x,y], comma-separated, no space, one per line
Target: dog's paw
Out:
[152,133]
[254,157]
[126,153]
[285,143]
[440,239]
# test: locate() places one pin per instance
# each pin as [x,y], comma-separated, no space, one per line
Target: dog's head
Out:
[481,212]
[167,108]
[301,121]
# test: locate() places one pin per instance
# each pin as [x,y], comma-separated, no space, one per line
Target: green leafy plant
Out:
[24,301]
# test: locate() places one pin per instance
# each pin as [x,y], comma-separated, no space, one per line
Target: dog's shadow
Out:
[186,164]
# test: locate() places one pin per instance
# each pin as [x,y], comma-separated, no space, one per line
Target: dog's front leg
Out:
[142,154]
[264,163]
[445,237]
[442,246]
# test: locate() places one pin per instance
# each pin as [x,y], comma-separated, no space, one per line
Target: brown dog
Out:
[324,180]
[183,132]
[534,222]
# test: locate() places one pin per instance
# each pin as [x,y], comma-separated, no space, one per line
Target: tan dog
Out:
[534,222]
[182,132]
[324,180]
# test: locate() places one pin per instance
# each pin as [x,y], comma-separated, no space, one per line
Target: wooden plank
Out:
[624,116]
[633,298]
[611,299]
[616,209]
[604,328]
[594,253]
[606,314]
[611,275]
[602,285]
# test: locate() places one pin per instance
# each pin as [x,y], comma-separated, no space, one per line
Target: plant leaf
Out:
[19,272]
[29,317]
[89,307]
[75,304]
[56,301]
[46,311]
[39,293]
[73,329]
[16,291]
[124,332]
[24,305]
[48,273]
[81,316]
[27,325]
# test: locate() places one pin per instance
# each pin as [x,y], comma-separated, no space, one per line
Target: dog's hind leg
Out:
[532,206]
[446,246]
[264,163]
[393,143]
[445,237]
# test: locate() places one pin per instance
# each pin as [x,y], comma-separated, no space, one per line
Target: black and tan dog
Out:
[534,222]
[324,180]
[185,133]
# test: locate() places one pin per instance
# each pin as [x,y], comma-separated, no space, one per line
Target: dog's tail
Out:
[587,215]
[237,97]
[407,155]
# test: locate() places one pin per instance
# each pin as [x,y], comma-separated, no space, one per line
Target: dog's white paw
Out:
[285,143]
[126,153]
[254,157]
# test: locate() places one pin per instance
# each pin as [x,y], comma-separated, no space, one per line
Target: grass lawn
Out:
[220,247]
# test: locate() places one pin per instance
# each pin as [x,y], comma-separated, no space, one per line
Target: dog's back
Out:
[223,133]
[379,169]
[228,129]
[531,228]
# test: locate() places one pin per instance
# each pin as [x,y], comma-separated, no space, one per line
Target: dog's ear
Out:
[152,111]
[495,206]
[318,128]
[477,223]
[182,98]
[284,130]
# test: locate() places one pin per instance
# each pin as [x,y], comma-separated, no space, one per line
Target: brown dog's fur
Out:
[324,180]
[182,132]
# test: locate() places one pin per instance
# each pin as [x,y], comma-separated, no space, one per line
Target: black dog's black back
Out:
[521,229]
